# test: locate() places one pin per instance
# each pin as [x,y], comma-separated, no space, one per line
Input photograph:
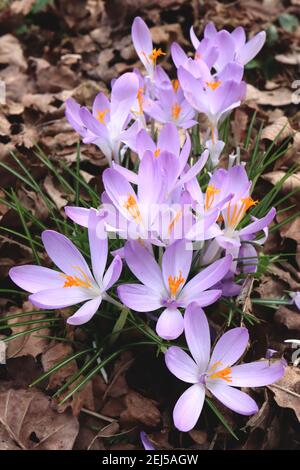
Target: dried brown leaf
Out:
[287,390]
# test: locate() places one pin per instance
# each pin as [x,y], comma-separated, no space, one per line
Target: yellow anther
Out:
[211,191]
[214,85]
[77,281]
[157,152]
[224,373]
[132,206]
[235,214]
[140,99]
[175,84]
[155,54]
[101,115]
[176,110]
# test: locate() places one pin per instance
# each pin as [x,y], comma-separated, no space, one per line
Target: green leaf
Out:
[288,22]
[221,417]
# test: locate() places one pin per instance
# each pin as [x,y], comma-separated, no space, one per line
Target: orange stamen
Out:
[214,85]
[157,153]
[132,206]
[224,373]
[101,115]
[140,99]
[76,281]
[175,84]
[175,283]
[155,54]
[176,110]
[234,217]
[174,221]
[211,191]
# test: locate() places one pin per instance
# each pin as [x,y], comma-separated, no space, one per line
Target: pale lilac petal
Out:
[128,174]
[123,96]
[79,215]
[101,104]
[202,299]
[118,190]
[177,259]
[145,441]
[98,244]
[248,258]
[143,265]
[60,298]
[239,37]
[195,169]
[194,39]
[188,408]
[65,254]
[178,55]
[170,324]
[85,312]
[251,48]
[233,398]
[197,334]
[138,297]
[182,365]
[168,139]
[230,347]
[142,40]
[208,277]
[256,374]
[35,278]
[259,224]
[113,273]
[144,143]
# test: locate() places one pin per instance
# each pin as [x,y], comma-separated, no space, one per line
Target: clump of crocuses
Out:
[186,227]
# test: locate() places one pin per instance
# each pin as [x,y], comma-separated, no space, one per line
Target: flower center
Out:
[140,99]
[132,206]
[224,373]
[214,85]
[157,152]
[211,191]
[176,109]
[235,214]
[77,281]
[175,84]
[175,283]
[155,54]
[101,115]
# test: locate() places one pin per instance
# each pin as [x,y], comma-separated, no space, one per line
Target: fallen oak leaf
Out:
[287,390]
[279,130]
[27,417]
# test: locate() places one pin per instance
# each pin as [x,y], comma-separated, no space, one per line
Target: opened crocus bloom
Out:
[216,372]
[75,283]
[105,126]
[142,41]
[167,286]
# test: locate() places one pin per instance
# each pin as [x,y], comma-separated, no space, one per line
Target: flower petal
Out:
[141,39]
[207,277]
[182,365]
[197,334]
[85,312]
[113,273]
[176,259]
[256,374]
[143,265]
[170,324]
[79,215]
[230,347]
[188,408]
[98,244]
[64,254]
[60,298]
[233,398]
[35,278]
[138,297]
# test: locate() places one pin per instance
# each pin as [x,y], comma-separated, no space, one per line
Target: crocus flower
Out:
[167,287]
[215,97]
[231,46]
[75,283]
[170,104]
[142,41]
[214,372]
[105,126]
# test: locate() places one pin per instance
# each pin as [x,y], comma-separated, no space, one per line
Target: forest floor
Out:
[50,51]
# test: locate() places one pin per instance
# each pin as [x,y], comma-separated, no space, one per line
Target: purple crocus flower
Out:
[296,299]
[215,97]
[170,104]
[215,372]
[75,283]
[105,126]
[231,46]
[167,287]
[142,41]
